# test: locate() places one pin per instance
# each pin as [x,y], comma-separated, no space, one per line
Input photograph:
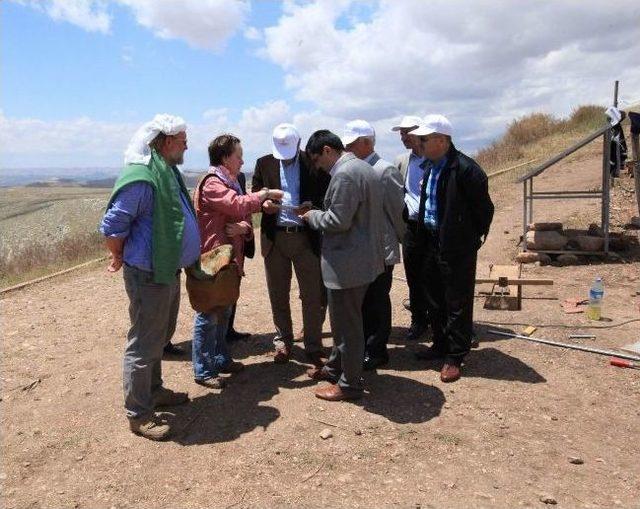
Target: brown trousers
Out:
[293,250]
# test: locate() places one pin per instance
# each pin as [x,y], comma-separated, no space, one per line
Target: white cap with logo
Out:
[356,129]
[285,141]
[433,124]
[407,122]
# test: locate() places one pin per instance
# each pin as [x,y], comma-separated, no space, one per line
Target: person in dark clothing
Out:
[455,214]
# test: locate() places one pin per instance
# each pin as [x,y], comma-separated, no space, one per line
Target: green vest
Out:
[168,219]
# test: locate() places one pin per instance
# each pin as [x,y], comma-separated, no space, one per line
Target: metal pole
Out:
[606,180]
[616,171]
[524,215]
[599,351]
[531,201]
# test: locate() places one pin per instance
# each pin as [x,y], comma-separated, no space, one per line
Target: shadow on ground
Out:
[239,408]
[401,400]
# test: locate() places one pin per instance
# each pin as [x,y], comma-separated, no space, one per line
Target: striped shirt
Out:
[431,202]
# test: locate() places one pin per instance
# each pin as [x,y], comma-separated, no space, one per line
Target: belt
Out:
[291,229]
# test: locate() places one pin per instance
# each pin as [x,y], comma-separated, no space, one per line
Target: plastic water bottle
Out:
[596,294]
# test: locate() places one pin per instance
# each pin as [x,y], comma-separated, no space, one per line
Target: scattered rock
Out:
[544,227]
[506,232]
[3,476]
[575,460]
[548,499]
[635,221]
[545,240]
[590,243]
[565,260]
[357,432]
[325,434]
[26,464]
[595,230]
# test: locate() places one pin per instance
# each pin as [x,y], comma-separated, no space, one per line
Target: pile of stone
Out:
[552,237]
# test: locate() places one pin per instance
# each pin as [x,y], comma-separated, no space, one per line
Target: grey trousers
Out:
[153,311]
[347,356]
[294,250]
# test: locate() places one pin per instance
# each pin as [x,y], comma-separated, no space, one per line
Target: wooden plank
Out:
[517,282]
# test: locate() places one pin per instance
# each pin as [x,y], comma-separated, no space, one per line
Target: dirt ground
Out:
[505,435]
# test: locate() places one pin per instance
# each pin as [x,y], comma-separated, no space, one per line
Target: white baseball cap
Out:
[407,122]
[285,141]
[433,124]
[356,129]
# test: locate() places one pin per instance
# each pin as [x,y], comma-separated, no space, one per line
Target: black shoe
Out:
[416,331]
[234,335]
[475,342]
[171,349]
[371,363]
[430,354]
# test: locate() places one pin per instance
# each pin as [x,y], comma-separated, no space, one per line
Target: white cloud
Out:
[201,23]
[480,63]
[90,15]
[206,24]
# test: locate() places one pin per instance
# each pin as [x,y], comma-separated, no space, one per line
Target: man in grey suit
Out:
[359,138]
[412,251]
[352,256]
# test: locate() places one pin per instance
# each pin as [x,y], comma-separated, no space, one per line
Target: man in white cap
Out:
[359,138]
[151,229]
[409,166]
[454,217]
[287,243]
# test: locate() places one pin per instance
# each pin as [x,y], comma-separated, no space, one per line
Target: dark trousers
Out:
[414,254]
[347,355]
[449,296]
[376,314]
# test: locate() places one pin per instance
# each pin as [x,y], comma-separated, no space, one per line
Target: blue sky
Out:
[79,76]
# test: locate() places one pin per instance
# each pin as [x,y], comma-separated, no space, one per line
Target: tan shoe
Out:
[217,382]
[167,397]
[150,427]
[335,393]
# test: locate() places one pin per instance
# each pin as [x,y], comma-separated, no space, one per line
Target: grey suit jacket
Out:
[352,243]
[393,205]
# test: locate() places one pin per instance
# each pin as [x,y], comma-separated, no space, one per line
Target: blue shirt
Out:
[431,203]
[290,184]
[131,217]
[412,185]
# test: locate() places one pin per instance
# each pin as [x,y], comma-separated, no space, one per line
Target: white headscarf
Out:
[138,150]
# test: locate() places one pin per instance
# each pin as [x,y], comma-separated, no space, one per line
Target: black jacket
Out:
[465,209]
[313,186]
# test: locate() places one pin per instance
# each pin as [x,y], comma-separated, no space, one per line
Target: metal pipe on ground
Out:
[599,351]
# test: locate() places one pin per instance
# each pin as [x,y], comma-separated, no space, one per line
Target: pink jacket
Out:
[217,205]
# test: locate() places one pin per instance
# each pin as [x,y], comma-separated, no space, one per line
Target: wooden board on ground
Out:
[505,298]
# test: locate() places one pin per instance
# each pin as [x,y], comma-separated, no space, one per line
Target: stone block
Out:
[539,240]
[544,227]
[589,243]
[565,260]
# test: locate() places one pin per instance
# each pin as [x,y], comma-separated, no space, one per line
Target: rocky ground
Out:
[528,425]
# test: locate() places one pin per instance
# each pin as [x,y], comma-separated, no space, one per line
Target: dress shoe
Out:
[416,331]
[282,355]
[171,349]
[216,382]
[166,397]
[316,358]
[451,371]
[335,393]
[234,335]
[232,367]
[370,363]
[320,374]
[430,354]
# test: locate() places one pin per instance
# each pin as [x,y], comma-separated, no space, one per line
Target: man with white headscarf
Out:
[151,229]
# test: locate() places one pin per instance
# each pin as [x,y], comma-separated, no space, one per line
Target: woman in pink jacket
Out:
[224,217]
